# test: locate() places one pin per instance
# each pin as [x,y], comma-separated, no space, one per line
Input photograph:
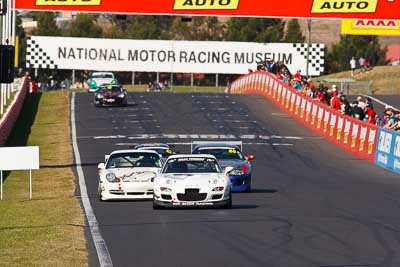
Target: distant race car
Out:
[110,95]
[192,181]
[163,149]
[229,154]
[98,79]
[128,174]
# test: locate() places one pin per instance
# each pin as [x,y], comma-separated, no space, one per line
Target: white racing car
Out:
[128,174]
[192,181]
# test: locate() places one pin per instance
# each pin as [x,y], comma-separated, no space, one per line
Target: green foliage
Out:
[338,59]
[293,33]
[46,25]
[147,27]
[254,30]
[84,26]
[20,33]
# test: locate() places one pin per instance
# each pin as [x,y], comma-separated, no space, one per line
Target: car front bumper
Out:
[127,191]
[240,183]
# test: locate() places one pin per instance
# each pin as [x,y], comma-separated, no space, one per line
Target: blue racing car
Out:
[229,154]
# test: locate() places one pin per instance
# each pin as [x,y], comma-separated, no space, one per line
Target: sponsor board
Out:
[344,6]
[68,2]
[165,56]
[388,150]
[206,4]
[342,9]
[371,27]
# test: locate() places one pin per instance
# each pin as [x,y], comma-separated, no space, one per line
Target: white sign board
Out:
[167,56]
[19,158]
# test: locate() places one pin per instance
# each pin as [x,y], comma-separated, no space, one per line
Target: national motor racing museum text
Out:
[170,56]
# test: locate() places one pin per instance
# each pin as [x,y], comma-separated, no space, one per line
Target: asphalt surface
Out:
[312,204]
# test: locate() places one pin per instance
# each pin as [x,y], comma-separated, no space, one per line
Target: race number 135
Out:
[68,2]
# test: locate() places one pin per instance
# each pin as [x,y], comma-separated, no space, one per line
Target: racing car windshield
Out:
[222,153]
[162,151]
[192,165]
[132,160]
[102,76]
[114,90]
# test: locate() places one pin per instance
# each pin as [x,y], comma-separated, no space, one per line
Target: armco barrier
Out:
[356,137]
[10,117]
[388,150]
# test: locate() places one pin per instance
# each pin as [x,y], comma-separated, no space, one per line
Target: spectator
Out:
[298,75]
[361,61]
[345,105]
[335,103]
[367,64]
[357,112]
[368,102]
[353,66]
[370,114]
[361,103]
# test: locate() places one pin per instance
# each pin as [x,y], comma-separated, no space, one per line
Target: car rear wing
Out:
[216,143]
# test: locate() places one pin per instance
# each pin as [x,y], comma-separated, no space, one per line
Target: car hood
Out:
[231,163]
[196,179]
[134,173]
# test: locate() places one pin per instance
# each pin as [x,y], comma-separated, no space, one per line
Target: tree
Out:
[293,33]
[46,25]
[84,26]
[254,30]
[20,33]
[354,46]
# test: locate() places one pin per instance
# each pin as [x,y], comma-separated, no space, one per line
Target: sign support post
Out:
[1,185]
[30,184]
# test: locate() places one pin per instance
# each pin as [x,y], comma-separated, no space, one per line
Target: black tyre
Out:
[99,196]
[228,205]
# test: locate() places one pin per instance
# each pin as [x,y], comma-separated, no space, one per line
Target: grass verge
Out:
[386,79]
[49,230]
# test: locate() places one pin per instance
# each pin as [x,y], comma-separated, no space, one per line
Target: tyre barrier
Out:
[10,117]
[356,137]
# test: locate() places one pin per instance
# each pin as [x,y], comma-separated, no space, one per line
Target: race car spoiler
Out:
[217,143]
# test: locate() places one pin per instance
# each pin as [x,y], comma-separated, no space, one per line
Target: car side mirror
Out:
[250,157]
[101,166]
[228,169]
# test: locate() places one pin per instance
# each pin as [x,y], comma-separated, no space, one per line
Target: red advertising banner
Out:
[355,9]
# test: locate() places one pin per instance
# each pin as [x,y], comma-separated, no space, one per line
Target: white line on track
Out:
[202,136]
[99,243]
[187,143]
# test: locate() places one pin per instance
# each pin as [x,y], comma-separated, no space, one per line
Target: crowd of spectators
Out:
[360,108]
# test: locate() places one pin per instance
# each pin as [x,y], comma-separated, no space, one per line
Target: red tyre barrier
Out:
[357,137]
[9,118]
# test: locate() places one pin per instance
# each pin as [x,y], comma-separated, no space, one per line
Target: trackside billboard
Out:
[388,150]
[359,9]
[167,56]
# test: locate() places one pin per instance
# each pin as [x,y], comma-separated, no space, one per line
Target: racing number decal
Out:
[344,6]
[68,2]
[206,4]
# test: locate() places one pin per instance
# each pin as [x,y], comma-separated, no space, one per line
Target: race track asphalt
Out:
[312,204]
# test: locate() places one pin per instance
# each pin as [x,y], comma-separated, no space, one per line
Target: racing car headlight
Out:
[99,96]
[218,189]
[236,172]
[121,95]
[112,178]
[166,189]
